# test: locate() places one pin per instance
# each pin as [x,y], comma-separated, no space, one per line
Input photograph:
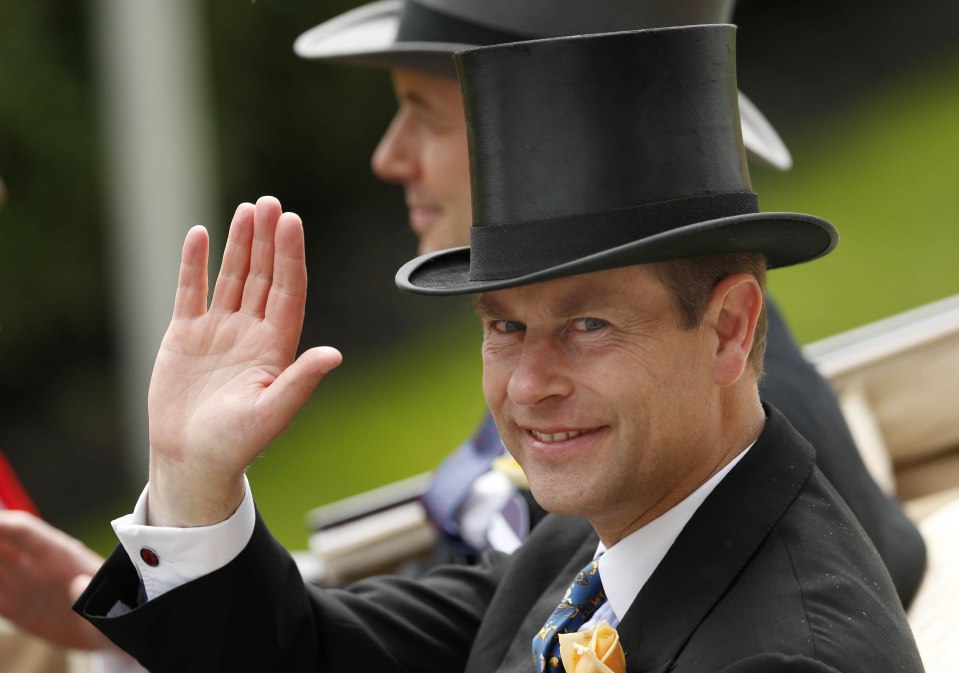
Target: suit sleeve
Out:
[257,614]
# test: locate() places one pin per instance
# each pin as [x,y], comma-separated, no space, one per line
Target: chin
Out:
[555,500]
[426,247]
[443,238]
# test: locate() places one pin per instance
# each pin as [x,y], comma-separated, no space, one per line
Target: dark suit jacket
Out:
[772,573]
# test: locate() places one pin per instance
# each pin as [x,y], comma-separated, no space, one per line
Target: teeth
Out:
[557,436]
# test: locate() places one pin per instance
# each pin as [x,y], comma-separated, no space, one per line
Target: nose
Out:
[394,159]
[541,372]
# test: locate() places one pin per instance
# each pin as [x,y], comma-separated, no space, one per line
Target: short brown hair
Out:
[691,281]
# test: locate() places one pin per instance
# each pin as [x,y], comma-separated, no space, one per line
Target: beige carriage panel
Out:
[898,384]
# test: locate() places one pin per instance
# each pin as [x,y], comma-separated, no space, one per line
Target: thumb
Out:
[284,397]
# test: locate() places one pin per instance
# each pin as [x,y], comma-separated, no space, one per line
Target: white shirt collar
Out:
[626,566]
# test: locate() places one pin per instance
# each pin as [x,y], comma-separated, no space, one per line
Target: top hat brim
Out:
[783,238]
[367,35]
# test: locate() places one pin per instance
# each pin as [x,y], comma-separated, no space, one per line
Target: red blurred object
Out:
[12,493]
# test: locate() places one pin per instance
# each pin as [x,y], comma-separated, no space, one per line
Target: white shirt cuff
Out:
[166,558]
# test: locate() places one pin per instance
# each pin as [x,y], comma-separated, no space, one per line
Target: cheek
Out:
[495,380]
[460,161]
[455,165]
[446,161]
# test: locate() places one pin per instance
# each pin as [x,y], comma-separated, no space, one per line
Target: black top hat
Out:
[602,151]
[424,34]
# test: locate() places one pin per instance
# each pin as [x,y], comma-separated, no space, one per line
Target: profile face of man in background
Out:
[424,150]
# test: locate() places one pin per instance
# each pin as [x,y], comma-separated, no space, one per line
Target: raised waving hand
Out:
[227,380]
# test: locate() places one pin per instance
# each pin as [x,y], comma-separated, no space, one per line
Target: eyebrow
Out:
[416,99]
[578,303]
[574,304]
[485,307]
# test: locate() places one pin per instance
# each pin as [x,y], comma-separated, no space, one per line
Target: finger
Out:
[292,388]
[192,285]
[287,300]
[260,279]
[228,291]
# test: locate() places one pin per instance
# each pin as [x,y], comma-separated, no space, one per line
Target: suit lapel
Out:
[714,546]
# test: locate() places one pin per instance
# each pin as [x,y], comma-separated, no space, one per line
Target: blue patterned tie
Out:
[582,599]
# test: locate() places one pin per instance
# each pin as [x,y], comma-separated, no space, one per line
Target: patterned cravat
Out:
[453,479]
[582,599]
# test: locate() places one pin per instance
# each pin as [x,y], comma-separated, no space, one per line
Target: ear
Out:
[734,308]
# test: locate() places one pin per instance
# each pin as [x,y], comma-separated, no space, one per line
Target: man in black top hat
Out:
[618,256]
[424,149]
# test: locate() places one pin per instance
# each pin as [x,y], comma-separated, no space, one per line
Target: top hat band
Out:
[502,250]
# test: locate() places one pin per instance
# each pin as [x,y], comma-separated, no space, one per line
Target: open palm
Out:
[227,380]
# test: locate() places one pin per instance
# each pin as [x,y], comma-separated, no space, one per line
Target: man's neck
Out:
[732,436]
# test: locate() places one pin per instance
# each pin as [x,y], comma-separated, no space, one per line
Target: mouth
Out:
[421,216]
[561,436]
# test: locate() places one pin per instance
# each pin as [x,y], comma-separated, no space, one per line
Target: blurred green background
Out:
[866,95]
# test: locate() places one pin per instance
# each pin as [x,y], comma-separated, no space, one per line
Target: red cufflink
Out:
[149,557]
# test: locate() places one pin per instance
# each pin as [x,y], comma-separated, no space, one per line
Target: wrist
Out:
[181,496]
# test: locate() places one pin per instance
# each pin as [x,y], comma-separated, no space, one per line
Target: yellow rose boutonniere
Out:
[595,650]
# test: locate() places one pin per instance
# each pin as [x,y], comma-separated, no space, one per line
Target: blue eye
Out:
[508,326]
[591,324]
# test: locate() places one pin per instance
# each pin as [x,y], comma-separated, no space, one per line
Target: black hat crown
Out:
[598,151]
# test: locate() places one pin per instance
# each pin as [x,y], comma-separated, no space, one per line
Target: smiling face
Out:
[425,150]
[613,410]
